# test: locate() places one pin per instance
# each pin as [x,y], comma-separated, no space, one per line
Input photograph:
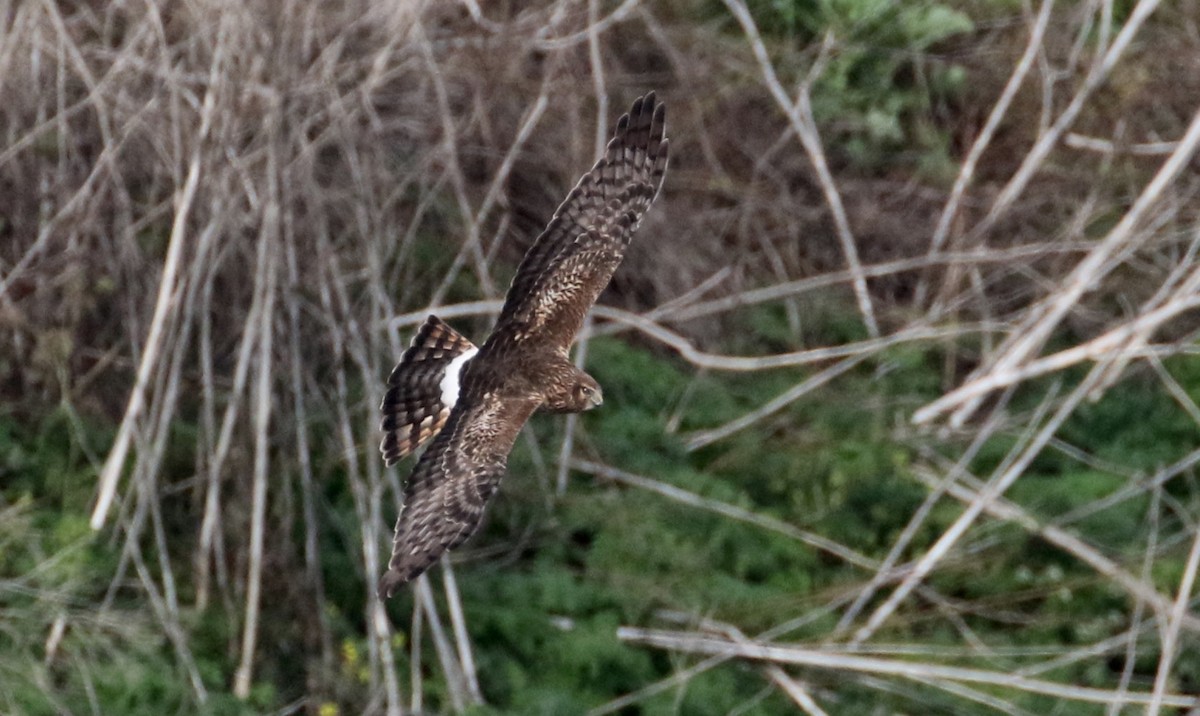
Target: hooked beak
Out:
[596,399]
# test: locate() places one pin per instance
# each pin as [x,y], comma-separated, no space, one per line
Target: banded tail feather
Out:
[423,388]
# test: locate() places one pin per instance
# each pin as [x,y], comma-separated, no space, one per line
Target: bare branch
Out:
[917,671]
[800,115]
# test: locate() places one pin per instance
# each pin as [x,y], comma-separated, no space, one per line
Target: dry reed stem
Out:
[799,113]
[1040,321]
[1170,635]
[921,672]
[1033,160]
[966,171]
[462,640]
[683,308]
[1140,605]
[308,496]
[901,544]
[699,358]
[115,461]
[701,438]
[795,691]
[455,680]
[171,628]
[732,512]
[1141,589]
[1104,146]
[601,139]
[1112,345]
[682,676]
[416,678]
[269,259]
[1018,459]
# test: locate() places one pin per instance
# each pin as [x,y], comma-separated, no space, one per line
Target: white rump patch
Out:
[449,384]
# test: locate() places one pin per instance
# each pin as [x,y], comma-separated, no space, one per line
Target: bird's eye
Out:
[586,390]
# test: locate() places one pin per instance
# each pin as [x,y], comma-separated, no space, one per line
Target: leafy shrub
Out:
[879,86]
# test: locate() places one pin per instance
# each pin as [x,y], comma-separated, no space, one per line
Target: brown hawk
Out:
[475,400]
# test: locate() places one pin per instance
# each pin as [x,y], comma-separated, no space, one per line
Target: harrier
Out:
[476,399]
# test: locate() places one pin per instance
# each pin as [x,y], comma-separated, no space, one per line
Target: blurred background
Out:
[901,403]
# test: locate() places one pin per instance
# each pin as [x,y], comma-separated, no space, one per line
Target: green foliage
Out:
[878,89]
[881,85]
[544,607]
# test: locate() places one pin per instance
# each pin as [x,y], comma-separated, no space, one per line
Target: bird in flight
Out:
[474,400]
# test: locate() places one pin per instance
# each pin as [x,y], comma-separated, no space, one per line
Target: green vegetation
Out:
[882,92]
[545,605]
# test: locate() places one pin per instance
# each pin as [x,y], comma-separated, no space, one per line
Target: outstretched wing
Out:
[452,482]
[573,259]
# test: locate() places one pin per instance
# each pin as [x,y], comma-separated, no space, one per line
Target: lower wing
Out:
[452,482]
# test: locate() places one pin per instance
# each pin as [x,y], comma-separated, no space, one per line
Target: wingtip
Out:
[390,452]
[651,106]
[636,110]
[389,583]
[622,124]
[644,124]
[646,104]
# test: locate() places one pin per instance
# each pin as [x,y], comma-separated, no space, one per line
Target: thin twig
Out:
[263,408]
[1045,317]
[996,487]
[458,622]
[1170,638]
[799,113]
[1141,589]
[455,681]
[1048,140]
[920,672]
[966,172]
[724,509]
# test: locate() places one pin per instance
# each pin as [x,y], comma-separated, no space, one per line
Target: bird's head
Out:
[587,393]
[573,392]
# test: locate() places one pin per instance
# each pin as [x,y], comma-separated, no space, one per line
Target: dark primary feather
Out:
[573,259]
[524,361]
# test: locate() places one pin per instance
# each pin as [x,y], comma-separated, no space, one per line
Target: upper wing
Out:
[573,259]
[451,483]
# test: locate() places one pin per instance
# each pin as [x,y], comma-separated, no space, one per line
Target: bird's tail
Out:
[423,388]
